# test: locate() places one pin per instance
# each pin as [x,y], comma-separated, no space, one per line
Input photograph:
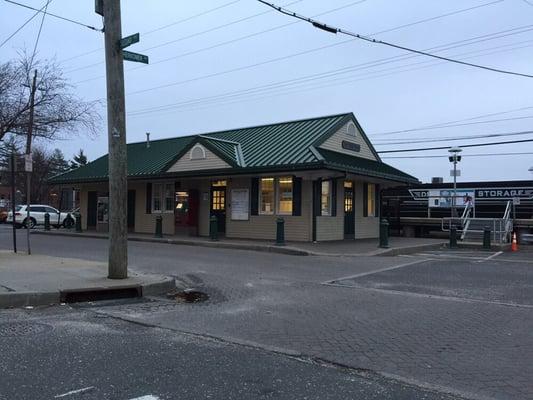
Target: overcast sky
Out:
[277,69]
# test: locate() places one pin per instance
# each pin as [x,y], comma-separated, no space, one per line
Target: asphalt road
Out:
[456,322]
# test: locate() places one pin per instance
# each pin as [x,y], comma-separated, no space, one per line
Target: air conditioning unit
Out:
[437,179]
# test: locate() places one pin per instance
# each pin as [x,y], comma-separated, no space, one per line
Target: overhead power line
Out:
[39,33]
[304,80]
[446,139]
[445,124]
[466,155]
[55,16]
[157,29]
[332,29]
[23,25]
[461,146]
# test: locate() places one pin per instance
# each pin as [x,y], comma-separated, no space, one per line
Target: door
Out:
[37,213]
[349,216]
[92,199]
[218,203]
[131,210]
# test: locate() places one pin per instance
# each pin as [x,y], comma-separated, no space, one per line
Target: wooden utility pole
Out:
[13,194]
[28,161]
[116,130]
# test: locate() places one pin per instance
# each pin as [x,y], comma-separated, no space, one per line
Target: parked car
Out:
[37,212]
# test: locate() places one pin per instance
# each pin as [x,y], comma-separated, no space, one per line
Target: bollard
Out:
[159,226]
[46,221]
[384,234]
[213,228]
[453,237]
[78,222]
[280,232]
[486,238]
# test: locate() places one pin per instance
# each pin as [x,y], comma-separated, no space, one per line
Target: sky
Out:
[221,64]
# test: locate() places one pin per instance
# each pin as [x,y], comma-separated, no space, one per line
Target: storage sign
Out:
[504,193]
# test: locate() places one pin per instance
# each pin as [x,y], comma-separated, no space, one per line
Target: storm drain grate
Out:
[78,296]
[13,329]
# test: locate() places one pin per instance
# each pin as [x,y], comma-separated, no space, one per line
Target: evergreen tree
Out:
[78,160]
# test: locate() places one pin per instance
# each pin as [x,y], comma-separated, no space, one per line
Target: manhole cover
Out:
[23,328]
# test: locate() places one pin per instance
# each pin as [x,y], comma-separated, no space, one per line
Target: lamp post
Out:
[454,158]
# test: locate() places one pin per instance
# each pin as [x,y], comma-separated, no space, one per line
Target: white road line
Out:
[147,397]
[86,389]
[491,256]
[374,272]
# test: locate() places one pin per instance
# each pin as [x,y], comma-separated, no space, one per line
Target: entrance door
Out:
[131,210]
[349,217]
[218,203]
[92,199]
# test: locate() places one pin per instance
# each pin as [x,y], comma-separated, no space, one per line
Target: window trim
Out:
[163,197]
[370,194]
[330,197]
[351,124]
[278,192]
[197,146]
[260,208]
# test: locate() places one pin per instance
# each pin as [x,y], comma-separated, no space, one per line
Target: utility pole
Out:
[116,128]
[13,194]
[28,160]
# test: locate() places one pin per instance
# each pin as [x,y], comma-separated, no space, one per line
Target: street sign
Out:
[129,40]
[455,173]
[130,56]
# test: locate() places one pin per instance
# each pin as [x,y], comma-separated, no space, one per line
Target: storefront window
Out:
[267,196]
[325,198]
[169,197]
[285,195]
[162,197]
[156,197]
[371,200]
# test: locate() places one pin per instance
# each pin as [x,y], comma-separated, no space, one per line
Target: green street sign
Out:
[129,40]
[129,56]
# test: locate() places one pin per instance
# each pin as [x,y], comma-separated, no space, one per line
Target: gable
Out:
[198,157]
[343,141]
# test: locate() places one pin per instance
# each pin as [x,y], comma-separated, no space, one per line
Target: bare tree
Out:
[57,113]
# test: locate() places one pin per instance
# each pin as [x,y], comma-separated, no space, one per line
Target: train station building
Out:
[321,175]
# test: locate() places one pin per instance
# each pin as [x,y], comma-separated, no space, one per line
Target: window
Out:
[162,197]
[371,200]
[197,152]
[348,196]
[285,195]
[351,130]
[325,198]
[266,196]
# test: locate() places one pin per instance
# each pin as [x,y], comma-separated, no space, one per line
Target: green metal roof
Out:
[286,145]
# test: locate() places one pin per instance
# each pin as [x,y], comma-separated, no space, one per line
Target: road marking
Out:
[86,389]
[490,257]
[147,397]
[374,272]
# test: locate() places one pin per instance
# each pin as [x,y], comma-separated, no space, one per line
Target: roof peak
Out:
[205,134]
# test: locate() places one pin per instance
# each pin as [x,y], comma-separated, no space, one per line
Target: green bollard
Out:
[213,228]
[280,232]
[384,234]
[159,226]
[486,238]
[453,237]
[78,222]
[46,221]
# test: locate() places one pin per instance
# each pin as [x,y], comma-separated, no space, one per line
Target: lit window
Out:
[371,200]
[325,198]
[266,194]
[348,196]
[285,196]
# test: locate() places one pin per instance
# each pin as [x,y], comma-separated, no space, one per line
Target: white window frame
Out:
[278,192]
[162,197]
[260,205]
[330,195]
[351,124]
[197,146]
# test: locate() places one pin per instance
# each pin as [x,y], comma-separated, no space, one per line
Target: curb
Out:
[22,299]
[396,251]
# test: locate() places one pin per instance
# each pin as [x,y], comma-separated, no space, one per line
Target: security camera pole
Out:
[116,131]
[455,158]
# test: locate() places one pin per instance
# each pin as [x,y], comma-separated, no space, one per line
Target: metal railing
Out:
[500,228]
[465,220]
[508,221]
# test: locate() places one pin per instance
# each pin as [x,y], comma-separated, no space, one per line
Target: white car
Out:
[37,212]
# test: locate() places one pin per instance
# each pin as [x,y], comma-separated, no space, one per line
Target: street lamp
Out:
[454,158]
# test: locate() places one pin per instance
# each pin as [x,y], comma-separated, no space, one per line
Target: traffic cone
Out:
[514,245]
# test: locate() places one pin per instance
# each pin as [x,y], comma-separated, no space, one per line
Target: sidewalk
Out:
[340,248]
[42,280]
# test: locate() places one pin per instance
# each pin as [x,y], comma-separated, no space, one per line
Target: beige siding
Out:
[332,228]
[264,226]
[211,161]
[334,143]
[145,223]
[365,227]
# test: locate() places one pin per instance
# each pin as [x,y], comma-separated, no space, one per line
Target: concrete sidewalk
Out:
[42,280]
[340,248]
